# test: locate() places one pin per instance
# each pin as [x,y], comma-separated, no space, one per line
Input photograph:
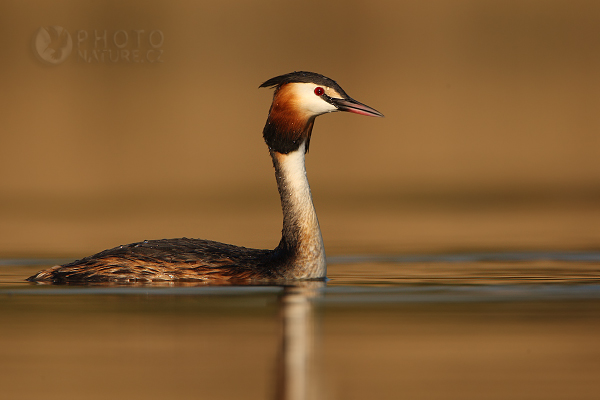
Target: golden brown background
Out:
[490,142]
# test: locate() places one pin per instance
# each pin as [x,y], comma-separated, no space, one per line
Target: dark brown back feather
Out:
[169,260]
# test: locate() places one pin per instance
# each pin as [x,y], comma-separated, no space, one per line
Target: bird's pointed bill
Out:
[353,106]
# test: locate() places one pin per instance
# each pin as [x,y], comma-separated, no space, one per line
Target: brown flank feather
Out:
[171,260]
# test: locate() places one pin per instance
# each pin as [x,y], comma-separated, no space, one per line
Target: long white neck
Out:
[301,235]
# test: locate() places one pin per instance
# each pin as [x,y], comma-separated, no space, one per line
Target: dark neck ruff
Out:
[284,139]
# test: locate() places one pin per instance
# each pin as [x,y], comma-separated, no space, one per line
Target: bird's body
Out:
[299,98]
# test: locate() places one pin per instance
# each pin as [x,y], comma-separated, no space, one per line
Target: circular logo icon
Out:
[53,44]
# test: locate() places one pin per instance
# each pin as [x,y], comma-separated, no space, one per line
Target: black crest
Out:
[304,77]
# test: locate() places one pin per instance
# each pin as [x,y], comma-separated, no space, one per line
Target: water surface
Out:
[485,325]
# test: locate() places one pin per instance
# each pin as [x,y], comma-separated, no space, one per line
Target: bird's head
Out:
[298,99]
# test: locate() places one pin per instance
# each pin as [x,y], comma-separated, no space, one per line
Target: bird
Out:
[298,98]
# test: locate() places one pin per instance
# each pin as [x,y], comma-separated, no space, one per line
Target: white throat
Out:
[300,223]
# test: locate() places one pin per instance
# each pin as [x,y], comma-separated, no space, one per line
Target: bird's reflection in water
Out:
[295,377]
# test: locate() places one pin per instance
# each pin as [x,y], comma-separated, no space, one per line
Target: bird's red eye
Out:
[319,91]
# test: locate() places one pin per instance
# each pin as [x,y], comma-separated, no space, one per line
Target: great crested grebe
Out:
[299,97]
